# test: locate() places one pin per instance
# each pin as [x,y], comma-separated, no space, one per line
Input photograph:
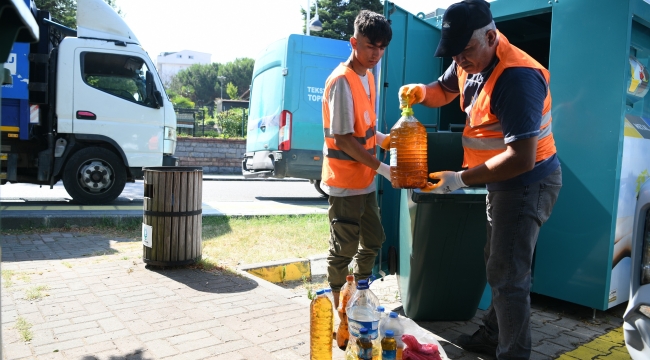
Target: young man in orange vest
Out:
[349,162]
[509,146]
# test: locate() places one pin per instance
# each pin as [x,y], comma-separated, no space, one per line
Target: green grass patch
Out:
[6,277]
[36,292]
[24,329]
[25,277]
[247,240]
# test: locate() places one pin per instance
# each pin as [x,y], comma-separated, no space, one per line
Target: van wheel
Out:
[318,188]
[94,175]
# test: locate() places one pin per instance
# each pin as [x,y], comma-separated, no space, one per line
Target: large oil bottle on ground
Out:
[408,152]
[321,327]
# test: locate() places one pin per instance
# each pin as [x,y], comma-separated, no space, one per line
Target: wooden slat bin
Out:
[172,207]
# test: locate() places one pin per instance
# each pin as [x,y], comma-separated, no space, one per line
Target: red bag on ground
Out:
[416,351]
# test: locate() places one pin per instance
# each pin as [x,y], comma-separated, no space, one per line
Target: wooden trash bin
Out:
[171,230]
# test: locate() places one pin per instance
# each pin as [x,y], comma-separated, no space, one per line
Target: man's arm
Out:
[437,96]
[352,147]
[518,158]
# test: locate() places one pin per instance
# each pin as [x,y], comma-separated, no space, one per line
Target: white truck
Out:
[86,107]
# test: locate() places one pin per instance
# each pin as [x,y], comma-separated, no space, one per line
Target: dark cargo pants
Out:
[514,218]
[355,232]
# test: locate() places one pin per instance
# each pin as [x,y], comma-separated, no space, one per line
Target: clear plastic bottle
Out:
[382,314]
[321,327]
[393,323]
[362,312]
[388,346]
[342,333]
[364,344]
[408,152]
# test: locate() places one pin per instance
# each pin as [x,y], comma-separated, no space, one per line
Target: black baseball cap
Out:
[459,22]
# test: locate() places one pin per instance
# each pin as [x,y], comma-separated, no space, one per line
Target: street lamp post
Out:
[221,79]
[314,25]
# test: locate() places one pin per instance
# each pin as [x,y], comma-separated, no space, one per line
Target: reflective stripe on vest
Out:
[361,140]
[339,168]
[483,135]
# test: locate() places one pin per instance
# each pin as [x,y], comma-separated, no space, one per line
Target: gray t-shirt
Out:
[341,123]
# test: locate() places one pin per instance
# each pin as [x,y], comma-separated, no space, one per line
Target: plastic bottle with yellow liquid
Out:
[321,316]
[408,152]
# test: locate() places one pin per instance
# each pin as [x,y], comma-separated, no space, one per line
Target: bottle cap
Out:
[349,278]
[393,314]
[390,333]
[320,292]
[328,290]
[363,331]
[362,285]
[380,308]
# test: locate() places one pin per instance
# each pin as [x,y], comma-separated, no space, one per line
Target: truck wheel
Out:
[94,175]
[318,188]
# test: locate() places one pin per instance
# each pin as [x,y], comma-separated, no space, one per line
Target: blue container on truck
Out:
[285,126]
[15,104]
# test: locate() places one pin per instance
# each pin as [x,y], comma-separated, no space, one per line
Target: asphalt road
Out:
[213,191]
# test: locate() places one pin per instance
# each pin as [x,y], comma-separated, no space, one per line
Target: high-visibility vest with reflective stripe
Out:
[339,168]
[483,136]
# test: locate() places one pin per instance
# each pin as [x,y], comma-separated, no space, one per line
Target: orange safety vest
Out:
[483,135]
[339,168]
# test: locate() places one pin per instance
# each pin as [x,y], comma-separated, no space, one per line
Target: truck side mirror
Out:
[158,96]
[151,90]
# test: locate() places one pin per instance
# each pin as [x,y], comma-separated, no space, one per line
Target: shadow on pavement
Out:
[216,282]
[57,246]
[135,355]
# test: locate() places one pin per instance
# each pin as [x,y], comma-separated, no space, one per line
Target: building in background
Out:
[169,64]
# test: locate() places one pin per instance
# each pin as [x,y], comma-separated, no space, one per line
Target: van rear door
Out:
[266,101]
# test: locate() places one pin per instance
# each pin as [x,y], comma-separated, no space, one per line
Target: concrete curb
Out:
[287,269]
[208,177]
[55,220]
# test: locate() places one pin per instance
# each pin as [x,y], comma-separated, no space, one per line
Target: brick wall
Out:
[216,156]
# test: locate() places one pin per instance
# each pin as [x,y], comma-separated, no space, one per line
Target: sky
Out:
[227,29]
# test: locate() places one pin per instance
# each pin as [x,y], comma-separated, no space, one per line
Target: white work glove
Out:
[449,181]
[383,140]
[384,170]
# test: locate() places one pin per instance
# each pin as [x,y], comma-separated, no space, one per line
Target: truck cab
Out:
[92,111]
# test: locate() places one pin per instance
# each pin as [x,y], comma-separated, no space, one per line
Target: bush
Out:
[210,122]
[232,122]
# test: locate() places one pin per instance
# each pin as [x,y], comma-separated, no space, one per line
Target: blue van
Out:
[285,126]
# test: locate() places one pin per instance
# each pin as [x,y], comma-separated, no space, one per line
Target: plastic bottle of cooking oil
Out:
[343,334]
[389,346]
[408,152]
[321,327]
[365,345]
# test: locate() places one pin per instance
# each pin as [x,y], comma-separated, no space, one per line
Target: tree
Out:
[198,82]
[239,73]
[338,16]
[65,11]
[231,89]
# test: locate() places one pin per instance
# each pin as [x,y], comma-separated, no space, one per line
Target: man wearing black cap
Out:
[508,145]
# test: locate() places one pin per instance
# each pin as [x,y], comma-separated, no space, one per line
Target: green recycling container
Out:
[441,269]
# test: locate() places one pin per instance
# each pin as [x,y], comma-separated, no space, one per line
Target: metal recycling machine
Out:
[597,52]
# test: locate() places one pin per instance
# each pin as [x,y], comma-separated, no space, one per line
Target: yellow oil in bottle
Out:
[321,327]
[408,152]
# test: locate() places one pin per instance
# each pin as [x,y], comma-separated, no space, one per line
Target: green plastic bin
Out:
[441,269]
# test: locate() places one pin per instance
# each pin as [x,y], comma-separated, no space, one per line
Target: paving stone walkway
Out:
[78,296]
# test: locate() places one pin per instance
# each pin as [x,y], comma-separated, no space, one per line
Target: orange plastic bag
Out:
[416,351]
